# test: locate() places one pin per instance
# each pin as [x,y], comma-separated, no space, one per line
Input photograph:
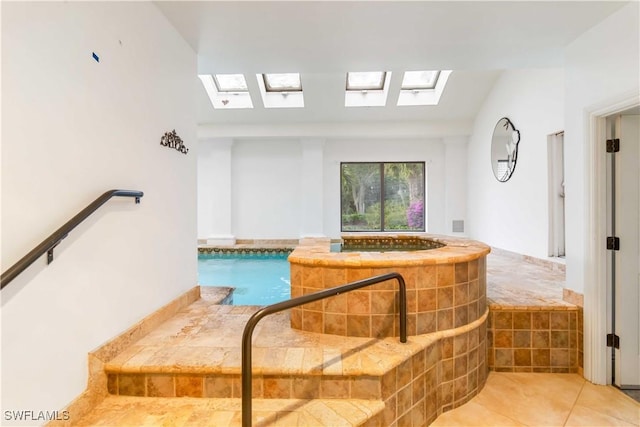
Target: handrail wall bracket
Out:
[50,251]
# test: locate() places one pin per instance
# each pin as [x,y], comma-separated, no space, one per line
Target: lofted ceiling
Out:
[323,40]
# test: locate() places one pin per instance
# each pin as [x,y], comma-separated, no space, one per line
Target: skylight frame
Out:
[408,97]
[232,89]
[280,99]
[224,100]
[269,87]
[364,88]
[419,86]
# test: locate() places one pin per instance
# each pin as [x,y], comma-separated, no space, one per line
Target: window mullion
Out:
[382,197]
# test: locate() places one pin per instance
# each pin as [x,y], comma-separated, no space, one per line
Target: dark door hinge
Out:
[613,243]
[613,145]
[613,341]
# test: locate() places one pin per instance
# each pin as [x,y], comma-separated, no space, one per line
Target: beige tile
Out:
[532,399]
[293,360]
[473,414]
[160,386]
[582,416]
[503,320]
[364,387]
[359,325]
[219,418]
[220,387]
[325,415]
[306,387]
[313,360]
[444,275]
[522,320]
[191,386]
[332,362]
[514,399]
[131,385]
[277,387]
[609,401]
[334,387]
[359,302]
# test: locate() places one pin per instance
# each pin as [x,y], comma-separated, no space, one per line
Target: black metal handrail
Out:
[304,299]
[54,239]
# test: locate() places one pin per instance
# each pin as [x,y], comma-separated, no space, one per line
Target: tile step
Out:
[192,412]
[268,386]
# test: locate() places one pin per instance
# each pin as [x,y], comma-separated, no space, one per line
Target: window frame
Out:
[269,88]
[383,79]
[382,199]
[420,87]
[230,90]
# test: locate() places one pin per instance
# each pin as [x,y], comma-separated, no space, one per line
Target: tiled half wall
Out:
[536,339]
[439,297]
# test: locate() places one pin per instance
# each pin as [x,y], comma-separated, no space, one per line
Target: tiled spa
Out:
[304,378]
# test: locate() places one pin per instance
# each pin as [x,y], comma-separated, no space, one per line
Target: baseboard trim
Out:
[96,389]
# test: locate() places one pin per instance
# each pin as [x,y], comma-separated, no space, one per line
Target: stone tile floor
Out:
[128,411]
[205,338]
[514,281]
[508,399]
[523,399]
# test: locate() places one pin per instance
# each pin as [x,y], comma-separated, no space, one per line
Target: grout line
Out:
[625,396]
[516,421]
[574,403]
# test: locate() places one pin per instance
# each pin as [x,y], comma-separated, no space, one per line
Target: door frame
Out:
[597,300]
[555,162]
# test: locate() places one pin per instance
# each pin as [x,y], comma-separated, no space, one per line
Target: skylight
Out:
[420,80]
[283,82]
[367,89]
[281,90]
[226,91]
[368,80]
[422,87]
[230,83]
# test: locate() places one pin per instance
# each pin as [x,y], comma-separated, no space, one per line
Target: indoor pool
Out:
[258,279]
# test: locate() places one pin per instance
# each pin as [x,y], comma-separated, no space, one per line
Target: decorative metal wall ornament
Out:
[172,140]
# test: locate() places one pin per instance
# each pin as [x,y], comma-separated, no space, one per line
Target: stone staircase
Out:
[138,411]
[186,371]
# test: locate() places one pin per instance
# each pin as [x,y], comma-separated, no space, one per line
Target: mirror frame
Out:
[512,159]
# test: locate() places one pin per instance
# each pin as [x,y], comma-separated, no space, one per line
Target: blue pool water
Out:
[259,279]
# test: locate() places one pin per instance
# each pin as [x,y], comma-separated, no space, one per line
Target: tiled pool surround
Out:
[400,242]
[209,250]
[446,288]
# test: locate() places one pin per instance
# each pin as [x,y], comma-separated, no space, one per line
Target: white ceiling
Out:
[323,40]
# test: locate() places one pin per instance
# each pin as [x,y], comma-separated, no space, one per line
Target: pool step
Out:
[201,358]
[195,354]
[186,412]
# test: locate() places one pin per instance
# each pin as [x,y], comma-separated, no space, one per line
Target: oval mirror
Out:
[504,149]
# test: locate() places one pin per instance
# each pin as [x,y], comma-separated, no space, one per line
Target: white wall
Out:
[266,188]
[72,129]
[312,180]
[456,183]
[602,65]
[214,188]
[280,191]
[513,215]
